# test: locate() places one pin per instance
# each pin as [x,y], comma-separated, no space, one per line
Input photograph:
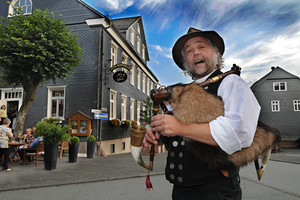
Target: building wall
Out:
[286,120]
[83,87]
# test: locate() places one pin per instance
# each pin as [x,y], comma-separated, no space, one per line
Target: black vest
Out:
[183,167]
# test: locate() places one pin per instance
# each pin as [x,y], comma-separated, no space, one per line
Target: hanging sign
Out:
[120,76]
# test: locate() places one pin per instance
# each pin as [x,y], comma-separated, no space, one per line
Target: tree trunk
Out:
[30,92]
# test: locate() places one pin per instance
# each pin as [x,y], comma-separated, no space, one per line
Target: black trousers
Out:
[5,152]
[228,189]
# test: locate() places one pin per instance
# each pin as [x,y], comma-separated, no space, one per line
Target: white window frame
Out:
[143,51]
[275,105]
[138,44]
[132,73]
[132,109]
[14,2]
[131,36]
[279,85]
[124,61]
[12,94]
[144,83]
[50,99]
[123,107]
[138,28]
[296,104]
[138,79]
[138,110]
[113,54]
[112,104]
[148,87]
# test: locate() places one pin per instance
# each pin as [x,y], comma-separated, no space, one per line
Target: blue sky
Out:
[258,34]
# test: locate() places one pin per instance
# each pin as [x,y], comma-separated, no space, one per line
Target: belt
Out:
[210,185]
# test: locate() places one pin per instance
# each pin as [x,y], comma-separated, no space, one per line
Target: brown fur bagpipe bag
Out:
[192,104]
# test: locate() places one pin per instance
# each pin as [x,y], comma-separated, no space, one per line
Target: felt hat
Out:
[213,36]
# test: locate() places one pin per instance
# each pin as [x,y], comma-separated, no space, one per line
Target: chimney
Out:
[272,68]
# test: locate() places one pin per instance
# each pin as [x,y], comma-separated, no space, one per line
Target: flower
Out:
[133,123]
[115,122]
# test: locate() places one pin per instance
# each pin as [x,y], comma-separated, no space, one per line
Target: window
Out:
[144,83]
[275,106]
[131,109]
[131,36]
[296,105]
[113,55]
[112,148]
[148,87]
[138,45]
[138,28]
[279,86]
[80,124]
[113,104]
[139,79]
[132,73]
[124,61]
[138,110]
[123,107]
[143,51]
[56,101]
[123,146]
[25,5]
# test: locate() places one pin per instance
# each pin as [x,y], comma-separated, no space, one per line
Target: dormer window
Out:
[138,28]
[131,36]
[25,5]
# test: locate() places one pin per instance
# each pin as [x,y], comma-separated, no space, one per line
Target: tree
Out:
[35,49]
[147,113]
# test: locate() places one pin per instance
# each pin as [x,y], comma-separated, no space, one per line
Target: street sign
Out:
[96,111]
[101,116]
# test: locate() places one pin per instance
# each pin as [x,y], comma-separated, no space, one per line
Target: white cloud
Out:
[153,4]
[161,51]
[115,6]
[281,50]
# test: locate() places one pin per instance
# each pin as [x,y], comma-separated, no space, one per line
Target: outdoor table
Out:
[14,151]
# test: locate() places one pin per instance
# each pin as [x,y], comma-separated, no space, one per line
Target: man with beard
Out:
[199,54]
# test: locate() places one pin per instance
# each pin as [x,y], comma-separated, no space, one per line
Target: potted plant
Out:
[133,123]
[115,122]
[91,142]
[52,134]
[73,148]
[126,124]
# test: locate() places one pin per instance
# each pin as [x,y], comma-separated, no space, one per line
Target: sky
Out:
[258,34]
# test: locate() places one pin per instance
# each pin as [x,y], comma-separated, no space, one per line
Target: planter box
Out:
[51,153]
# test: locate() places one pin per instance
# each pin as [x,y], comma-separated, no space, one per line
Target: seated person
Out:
[31,145]
[28,137]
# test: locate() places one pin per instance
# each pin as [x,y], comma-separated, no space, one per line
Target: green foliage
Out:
[147,114]
[52,133]
[52,120]
[36,48]
[74,139]
[91,138]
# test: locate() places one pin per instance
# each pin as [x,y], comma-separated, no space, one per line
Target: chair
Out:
[62,147]
[39,151]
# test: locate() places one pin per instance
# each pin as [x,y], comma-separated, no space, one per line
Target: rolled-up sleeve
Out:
[235,130]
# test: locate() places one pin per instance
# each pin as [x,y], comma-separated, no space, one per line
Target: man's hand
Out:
[166,125]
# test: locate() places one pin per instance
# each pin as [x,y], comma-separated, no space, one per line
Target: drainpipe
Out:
[99,89]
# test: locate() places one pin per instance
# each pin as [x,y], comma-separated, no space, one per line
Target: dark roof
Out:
[80,112]
[275,74]
[91,8]
[124,23]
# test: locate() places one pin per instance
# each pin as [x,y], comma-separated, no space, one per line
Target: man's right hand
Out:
[150,138]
